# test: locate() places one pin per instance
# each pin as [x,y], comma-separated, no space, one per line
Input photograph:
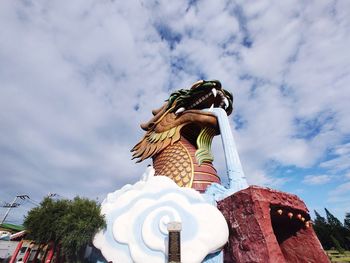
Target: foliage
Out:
[323,232]
[347,221]
[41,222]
[69,223]
[337,245]
[331,232]
[339,232]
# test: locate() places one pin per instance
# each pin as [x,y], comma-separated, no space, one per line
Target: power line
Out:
[20,201]
[33,202]
[12,204]
[7,205]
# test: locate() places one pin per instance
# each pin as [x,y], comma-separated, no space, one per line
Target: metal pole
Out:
[8,210]
[12,204]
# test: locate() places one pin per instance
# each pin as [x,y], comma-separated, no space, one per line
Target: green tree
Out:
[347,221]
[69,223]
[338,231]
[347,229]
[331,232]
[76,228]
[332,220]
[41,222]
[337,245]
[323,231]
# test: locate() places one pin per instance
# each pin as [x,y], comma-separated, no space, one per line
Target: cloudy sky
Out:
[78,77]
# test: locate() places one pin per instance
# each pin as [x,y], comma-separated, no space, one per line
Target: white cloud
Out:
[340,194]
[317,179]
[342,189]
[342,149]
[341,161]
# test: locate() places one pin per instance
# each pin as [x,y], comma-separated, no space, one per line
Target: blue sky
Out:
[77,79]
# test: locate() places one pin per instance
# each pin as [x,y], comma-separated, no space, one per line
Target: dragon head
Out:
[183,115]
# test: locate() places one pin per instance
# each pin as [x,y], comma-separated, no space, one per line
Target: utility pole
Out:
[23,197]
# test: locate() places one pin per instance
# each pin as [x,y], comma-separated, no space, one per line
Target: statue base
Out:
[269,226]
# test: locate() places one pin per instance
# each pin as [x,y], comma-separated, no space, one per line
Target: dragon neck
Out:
[178,161]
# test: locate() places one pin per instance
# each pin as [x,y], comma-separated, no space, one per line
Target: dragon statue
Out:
[179,136]
[238,223]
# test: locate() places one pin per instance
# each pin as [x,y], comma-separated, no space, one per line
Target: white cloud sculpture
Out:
[137,217]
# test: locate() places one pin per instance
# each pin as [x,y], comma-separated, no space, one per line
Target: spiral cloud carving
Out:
[137,217]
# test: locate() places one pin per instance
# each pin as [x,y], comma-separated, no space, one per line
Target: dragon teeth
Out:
[211,107]
[214,91]
[226,103]
[180,110]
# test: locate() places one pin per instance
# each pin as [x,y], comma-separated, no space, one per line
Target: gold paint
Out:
[163,135]
[192,167]
[164,114]
[158,135]
[177,135]
[171,132]
[170,162]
